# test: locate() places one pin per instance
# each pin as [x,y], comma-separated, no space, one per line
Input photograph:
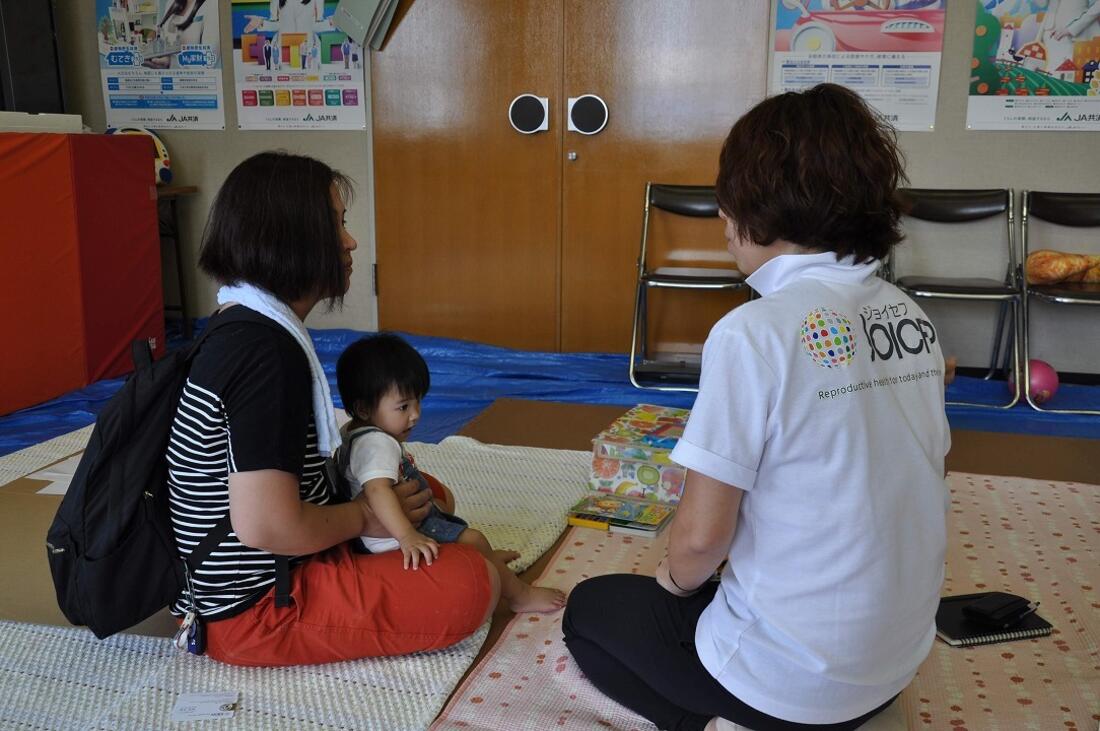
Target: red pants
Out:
[347,606]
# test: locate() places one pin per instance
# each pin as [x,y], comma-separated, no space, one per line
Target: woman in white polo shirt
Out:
[815,455]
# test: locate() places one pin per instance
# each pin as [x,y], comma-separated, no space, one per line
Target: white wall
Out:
[950,156]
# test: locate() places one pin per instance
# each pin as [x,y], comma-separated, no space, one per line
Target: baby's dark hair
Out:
[371,366]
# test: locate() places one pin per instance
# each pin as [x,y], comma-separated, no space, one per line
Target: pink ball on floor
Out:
[1044,381]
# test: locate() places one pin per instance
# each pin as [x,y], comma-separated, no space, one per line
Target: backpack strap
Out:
[141,354]
[209,542]
[282,581]
[360,431]
[213,539]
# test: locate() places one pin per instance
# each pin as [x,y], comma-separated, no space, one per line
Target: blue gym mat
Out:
[467,377]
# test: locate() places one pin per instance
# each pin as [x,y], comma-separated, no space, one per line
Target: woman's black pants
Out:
[636,643]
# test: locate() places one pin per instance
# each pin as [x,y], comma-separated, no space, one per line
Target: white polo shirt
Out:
[824,402]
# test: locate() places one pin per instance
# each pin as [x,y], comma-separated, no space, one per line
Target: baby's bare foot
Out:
[537,599]
[505,556]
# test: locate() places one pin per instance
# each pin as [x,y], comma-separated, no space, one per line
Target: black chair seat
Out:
[687,276]
[1082,292]
[977,286]
[677,372]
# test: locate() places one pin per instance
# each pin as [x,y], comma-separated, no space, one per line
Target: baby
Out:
[382,380]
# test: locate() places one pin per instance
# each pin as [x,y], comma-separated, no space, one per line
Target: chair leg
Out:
[1014,345]
[639,344]
[1008,363]
[637,333]
[998,337]
[1023,384]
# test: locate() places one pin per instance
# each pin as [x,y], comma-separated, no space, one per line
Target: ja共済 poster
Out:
[1034,65]
[160,63]
[887,51]
[293,69]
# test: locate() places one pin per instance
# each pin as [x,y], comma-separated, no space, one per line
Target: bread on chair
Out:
[1046,266]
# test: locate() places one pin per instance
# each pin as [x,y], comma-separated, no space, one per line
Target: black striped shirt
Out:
[246,406]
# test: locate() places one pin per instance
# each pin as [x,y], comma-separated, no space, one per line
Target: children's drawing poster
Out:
[160,63]
[293,69]
[1035,65]
[887,51]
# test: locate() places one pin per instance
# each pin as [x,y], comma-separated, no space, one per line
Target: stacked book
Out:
[631,516]
[635,484]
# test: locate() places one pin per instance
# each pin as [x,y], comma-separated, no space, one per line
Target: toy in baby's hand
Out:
[1050,267]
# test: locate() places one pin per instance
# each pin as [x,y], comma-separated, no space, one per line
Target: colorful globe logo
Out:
[829,338]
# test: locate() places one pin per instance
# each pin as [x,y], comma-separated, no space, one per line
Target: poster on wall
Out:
[887,51]
[1035,65]
[293,69]
[160,63]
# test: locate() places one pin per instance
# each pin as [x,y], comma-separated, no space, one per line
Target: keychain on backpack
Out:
[192,634]
[183,634]
[196,638]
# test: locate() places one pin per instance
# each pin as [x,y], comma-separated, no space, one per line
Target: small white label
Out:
[204,706]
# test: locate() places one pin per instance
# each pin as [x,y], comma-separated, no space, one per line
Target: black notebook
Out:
[957,630]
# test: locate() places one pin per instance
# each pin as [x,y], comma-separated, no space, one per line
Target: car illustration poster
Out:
[1034,65]
[160,63]
[294,69]
[887,51]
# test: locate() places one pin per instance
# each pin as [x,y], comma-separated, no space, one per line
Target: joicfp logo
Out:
[829,338]
[892,332]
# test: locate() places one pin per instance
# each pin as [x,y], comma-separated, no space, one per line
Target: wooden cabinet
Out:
[531,241]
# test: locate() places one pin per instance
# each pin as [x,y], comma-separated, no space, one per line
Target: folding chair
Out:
[697,201]
[1078,210]
[965,206]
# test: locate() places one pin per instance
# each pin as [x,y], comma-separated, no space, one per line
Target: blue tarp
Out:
[467,377]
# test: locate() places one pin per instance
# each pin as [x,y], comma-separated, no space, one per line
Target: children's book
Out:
[959,626]
[621,514]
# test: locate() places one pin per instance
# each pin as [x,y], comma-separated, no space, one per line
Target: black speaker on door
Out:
[587,114]
[30,65]
[529,113]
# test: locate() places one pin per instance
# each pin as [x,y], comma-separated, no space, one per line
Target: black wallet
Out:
[998,610]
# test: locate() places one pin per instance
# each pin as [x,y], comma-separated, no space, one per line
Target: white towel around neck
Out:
[267,304]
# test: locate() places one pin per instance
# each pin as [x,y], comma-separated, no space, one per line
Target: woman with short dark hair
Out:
[252,431]
[815,455]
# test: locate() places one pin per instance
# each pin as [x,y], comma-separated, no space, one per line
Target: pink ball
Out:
[1044,381]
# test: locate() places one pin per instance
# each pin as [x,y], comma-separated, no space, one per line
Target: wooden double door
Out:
[531,240]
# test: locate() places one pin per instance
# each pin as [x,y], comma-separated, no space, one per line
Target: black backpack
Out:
[111,547]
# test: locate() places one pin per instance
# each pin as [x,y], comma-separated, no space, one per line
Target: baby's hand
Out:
[414,545]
